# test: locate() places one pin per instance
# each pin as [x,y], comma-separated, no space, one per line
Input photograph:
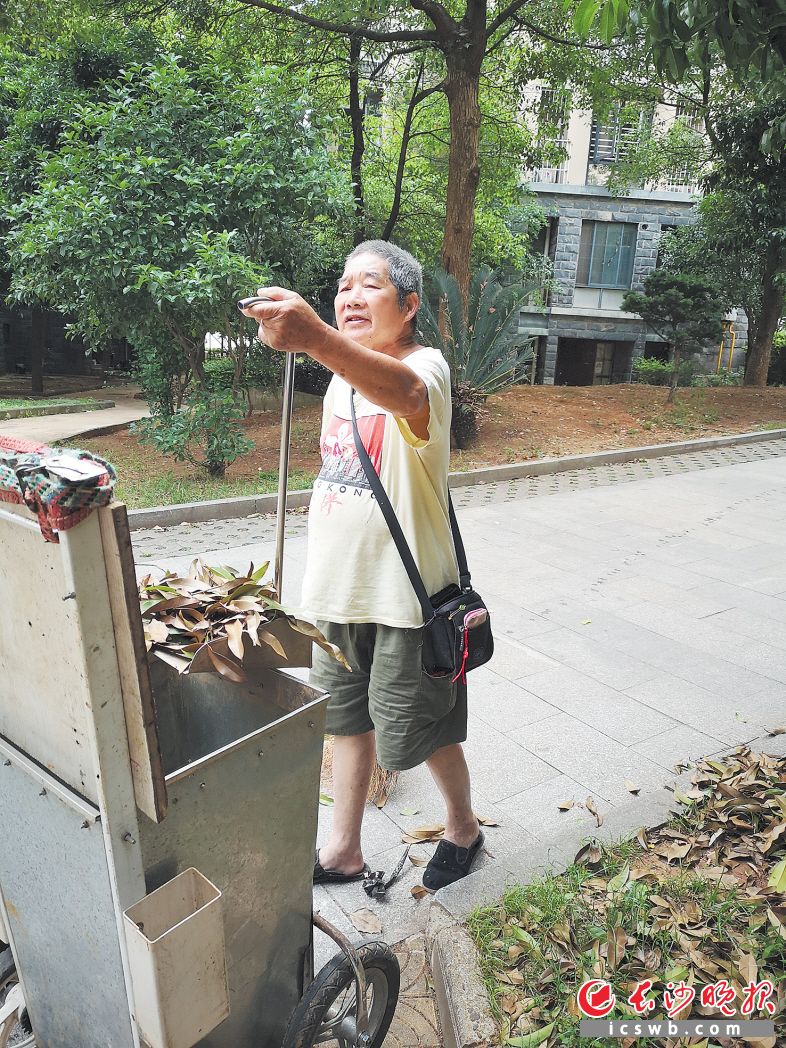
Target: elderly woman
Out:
[355,584]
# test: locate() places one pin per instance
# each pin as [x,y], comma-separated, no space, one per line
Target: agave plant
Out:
[482,345]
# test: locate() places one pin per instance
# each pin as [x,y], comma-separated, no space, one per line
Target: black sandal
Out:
[323,876]
[450,863]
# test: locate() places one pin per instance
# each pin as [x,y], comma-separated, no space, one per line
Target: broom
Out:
[382,781]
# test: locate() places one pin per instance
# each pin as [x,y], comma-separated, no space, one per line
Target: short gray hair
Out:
[404,270]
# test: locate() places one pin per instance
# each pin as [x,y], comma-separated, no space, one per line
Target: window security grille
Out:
[613,139]
[682,179]
[553,116]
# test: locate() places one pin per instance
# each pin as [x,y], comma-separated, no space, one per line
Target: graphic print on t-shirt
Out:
[340,462]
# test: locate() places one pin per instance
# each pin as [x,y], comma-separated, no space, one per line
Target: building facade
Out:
[600,246]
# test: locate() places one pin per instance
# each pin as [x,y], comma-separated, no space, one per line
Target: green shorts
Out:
[412,714]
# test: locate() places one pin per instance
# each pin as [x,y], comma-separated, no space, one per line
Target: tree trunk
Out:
[358,139]
[38,330]
[675,375]
[757,360]
[462,88]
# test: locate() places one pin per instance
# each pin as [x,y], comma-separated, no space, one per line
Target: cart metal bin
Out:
[117,776]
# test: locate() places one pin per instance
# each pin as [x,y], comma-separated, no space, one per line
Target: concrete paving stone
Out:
[504,705]
[589,757]
[606,709]
[379,832]
[774,744]
[683,578]
[758,604]
[710,638]
[499,766]
[511,660]
[698,708]
[478,889]
[678,744]
[762,581]
[736,622]
[536,809]
[512,620]
[602,663]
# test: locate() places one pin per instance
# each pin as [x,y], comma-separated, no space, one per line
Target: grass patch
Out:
[697,900]
[170,488]
[142,486]
[769,426]
[689,412]
[9,403]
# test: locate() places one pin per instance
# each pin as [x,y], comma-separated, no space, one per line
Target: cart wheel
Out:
[328,1009]
[15,1031]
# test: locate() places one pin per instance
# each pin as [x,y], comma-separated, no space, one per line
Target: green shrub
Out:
[777,373]
[219,374]
[311,376]
[206,432]
[659,373]
[262,369]
[722,378]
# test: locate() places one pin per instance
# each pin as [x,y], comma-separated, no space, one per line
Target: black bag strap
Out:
[395,528]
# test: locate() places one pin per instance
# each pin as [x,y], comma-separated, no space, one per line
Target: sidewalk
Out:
[49,429]
[639,612]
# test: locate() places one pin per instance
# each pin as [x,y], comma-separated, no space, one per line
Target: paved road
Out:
[640,613]
[48,429]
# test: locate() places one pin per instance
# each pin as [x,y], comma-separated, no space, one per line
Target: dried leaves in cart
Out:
[207,620]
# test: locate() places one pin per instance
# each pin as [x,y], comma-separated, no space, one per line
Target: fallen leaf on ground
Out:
[486,822]
[422,834]
[410,811]
[366,921]
[325,799]
[417,860]
[417,891]
[631,786]
[589,804]
[566,805]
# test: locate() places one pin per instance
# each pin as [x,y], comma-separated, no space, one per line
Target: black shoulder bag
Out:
[456,624]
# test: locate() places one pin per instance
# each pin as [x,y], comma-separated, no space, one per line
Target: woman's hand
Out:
[287,322]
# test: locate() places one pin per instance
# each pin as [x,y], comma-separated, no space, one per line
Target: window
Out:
[606,254]
[614,137]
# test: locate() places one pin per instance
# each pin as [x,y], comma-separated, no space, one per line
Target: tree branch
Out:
[345,28]
[417,97]
[445,25]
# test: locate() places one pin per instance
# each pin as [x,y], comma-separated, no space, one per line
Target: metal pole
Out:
[283,467]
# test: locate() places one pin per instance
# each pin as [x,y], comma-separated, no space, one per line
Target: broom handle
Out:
[283,467]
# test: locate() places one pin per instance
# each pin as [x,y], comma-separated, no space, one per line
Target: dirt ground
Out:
[527,422]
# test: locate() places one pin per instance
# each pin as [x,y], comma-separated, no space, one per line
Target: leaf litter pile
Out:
[202,622]
[698,899]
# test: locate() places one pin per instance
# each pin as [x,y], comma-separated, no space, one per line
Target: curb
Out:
[54,409]
[464,1012]
[465,1016]
[246,505]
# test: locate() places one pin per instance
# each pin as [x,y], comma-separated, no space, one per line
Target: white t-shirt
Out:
[353,570]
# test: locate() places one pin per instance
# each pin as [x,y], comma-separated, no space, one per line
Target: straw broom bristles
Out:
[382,781]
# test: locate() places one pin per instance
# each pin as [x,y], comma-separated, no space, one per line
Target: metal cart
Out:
[157,831]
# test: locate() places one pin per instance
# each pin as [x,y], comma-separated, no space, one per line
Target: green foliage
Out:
[652,372]
[483,346]
[686,311]
[722,378]
[311,376]
[749,34]
[260,369]
[149,220]
[206,432]
[777,375]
